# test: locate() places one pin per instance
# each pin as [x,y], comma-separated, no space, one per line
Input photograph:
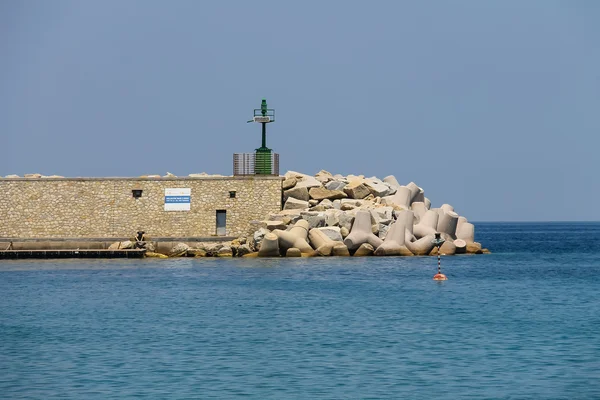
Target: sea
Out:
[520,323]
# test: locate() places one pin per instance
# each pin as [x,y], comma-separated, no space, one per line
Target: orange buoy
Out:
[440,277]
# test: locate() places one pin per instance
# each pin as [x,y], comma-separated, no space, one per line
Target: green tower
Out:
[263,163]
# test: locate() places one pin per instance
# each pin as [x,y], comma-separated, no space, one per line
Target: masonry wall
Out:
[105,207]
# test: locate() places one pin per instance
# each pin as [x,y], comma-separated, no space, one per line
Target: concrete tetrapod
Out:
[295,237]
[364,250]
[448,248]
[400,198]
[322,243]
[392,181]
[447,223]
[361,232]
[461,246]
[421,247]
[427,225]
[418,207]
[394,244]
[269,246]
[466,232]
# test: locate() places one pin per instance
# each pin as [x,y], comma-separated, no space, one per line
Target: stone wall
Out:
[105,207]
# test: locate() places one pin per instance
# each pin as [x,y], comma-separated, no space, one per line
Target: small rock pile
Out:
[335,215]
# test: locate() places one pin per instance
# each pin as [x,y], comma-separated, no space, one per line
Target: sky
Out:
[491,106]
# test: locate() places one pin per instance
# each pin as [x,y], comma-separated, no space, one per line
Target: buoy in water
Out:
[440,277]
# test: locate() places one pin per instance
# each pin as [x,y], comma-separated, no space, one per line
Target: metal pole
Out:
[439,261]
[264,135]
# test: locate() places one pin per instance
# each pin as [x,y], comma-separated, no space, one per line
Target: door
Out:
[221,222]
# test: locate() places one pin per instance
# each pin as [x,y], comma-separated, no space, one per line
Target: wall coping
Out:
[161,179]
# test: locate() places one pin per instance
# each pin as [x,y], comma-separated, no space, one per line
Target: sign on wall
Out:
[178,199]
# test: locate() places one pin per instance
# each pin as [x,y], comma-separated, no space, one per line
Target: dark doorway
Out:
[221,222]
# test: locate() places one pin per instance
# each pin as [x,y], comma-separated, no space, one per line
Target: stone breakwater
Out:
[335,215]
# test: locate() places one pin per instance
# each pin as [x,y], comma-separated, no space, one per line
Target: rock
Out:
[474,248]
[332,232]
[258,237]
[317,208]
[377,187]
[356,190]
[170,175]
[327,204]
[344,232]
[335,185]
[313,202]
[485,251]
[293,252]
[225,251]
[155,255]
[337,204]
[347,207]
[272,225]
[340,250]
[12,176]
[269,246]
[180,249]
[383,231]
[32,176]
[320,193]
[364,250]
[243,249]
[323,176]
[346,220]
[314,221]
[289,183]
[332,217]
[300,193]
[308,181]
[196,253]
[295,204]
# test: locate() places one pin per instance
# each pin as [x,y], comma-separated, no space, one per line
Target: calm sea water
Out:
[523,322]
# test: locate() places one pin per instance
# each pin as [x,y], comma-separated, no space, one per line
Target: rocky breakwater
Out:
[335,215]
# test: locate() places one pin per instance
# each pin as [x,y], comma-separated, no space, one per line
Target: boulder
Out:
[356,190]
[346,220]
[243,249]
[179,249]
[364,250]
[323,243]
[308,182]
[12,176]
[258,237]
[332,217]
[335,185]
[299,193]
[313,202]
[326,203]
[314,221]
[377,187]
[323,176]
[32,176]
[196,253]
[225,251]
[333,232]
[295,204]
[362,232]
[474,248]
[272,225]
[289,183]
[155,255]
[320,193]
[344,232]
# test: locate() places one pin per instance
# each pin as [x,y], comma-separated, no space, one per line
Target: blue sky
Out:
[492,106]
